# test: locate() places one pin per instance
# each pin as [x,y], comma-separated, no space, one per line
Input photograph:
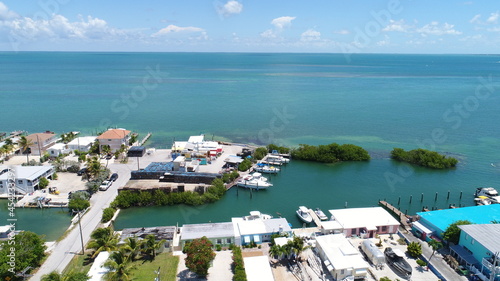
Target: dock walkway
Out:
[402,217]
[316,220]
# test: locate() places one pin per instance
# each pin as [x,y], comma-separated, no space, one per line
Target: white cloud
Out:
[231,7]
[434,28]
[282,22]
[5,13]
[310,35]
[384,42]
[342,32]
[493,19]
[494,29]
[475,19]
[268,34]
[59,27]
[177,29]
[398,26]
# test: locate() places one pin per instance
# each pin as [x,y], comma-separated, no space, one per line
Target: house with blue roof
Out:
[437,221]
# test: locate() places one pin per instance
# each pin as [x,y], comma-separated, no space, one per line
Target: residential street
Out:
[65,249]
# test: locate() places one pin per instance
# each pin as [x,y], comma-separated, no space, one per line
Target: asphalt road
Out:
[70,246]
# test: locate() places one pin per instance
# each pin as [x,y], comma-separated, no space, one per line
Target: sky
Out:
[318,26]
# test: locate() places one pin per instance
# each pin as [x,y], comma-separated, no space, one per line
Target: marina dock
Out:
[402,217]
[140,143]
[315,218]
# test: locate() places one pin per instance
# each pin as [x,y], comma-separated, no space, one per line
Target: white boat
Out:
[304,215]
[320,214]
[266,169]
[254,181]
[487,194]
[256,215]
[271,158]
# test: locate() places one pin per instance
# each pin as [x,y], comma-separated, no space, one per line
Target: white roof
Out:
[363,217]
[83,141]
[258,269]
[258,226]
[421,227]
[58,146]
[97,270]
[210,230]
[4,228]
[282,241]
[331,225]
[179,145]
[26,172]
[196,139]
[340,253]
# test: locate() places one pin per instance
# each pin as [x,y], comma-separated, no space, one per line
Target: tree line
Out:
[330,153]
[126,198]
[423,157]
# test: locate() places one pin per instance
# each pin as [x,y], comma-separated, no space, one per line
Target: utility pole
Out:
[81,234]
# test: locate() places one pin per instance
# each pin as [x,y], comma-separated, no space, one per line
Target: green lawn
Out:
[79,263]
[145,270]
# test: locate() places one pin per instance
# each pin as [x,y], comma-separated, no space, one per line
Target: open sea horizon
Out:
[447,103]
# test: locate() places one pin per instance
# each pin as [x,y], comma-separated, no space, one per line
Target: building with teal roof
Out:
[437,221]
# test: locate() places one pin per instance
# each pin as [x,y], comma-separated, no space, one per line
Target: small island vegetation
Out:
[127,198]
[330,153]
[423,157]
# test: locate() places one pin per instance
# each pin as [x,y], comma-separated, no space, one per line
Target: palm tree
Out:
[103,239]
[275,251]
[94,167]
[151,245]
[132,247]
[119,267]
[435,245]
[25,144]
[3,150]
[53,276]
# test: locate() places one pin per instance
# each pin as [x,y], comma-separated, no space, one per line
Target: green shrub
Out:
[238,265]
[218,247]
[421,263]
[423,157]
[260,153]
[414,249]
[43,183]
[78,204]
[245,165]
[330,153]
[108,214]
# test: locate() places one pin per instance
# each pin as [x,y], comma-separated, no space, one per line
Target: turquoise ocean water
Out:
[379,101]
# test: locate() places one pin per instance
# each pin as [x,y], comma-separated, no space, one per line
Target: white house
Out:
[58,149]
[221,233]
[340,257]
[26,177]
[82,143]
[365,222]
[258,230]
[115,138]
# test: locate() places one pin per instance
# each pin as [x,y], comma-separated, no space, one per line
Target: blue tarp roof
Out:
[441,219]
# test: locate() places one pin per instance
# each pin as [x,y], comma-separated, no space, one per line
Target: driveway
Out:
[220,270]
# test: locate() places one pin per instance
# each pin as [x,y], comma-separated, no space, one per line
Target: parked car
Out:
[82,171]
[105,185]
[113,177]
